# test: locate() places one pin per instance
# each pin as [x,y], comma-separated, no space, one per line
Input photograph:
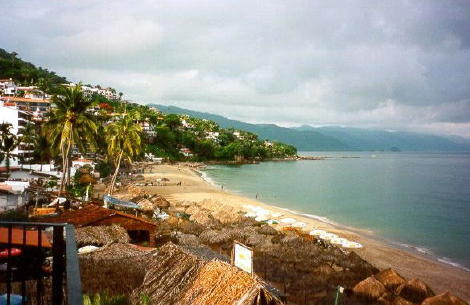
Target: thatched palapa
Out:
[370,289]
[116,269]
[101,235]
[390,279]
[180,276]
[444,299]
[414,290]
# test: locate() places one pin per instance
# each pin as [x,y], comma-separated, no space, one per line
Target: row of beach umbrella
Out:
[260,214]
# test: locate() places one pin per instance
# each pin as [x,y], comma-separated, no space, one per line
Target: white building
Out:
[212,135]
[7,87]
[17,119]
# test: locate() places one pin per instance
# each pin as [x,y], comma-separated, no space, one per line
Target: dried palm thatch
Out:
[193,209]
[204,218]
[116,269]
[213,237]
[444,299]
[267,230]
[390,279]
[146,204]
[178,276]
[226,216]
[370,289]
[220,283]
[190,227]
[160,202]
[255,240]
[189,240]
[414,290]
[101,235]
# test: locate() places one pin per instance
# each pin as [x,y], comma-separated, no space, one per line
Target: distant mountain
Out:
[308,138]
[370,139]
[304,141]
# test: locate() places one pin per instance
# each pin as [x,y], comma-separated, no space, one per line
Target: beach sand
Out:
[439,276]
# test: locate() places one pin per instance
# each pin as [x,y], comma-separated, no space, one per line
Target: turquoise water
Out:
[419,201]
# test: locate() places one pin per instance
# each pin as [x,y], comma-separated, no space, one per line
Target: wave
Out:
[428,252]
[417,249]
[206,177]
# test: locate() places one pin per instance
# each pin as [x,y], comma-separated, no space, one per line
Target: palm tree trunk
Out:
[7,163]
[65,165]
[116,171]
[64,168]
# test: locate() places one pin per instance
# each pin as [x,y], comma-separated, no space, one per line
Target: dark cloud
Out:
[390,64]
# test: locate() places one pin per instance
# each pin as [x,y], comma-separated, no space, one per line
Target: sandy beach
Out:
[439,276]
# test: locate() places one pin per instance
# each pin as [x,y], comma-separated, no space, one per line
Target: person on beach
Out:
[256,195]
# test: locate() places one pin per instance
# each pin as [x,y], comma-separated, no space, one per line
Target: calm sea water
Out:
[414,200]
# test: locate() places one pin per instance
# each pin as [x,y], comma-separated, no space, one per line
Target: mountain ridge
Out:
[335,138]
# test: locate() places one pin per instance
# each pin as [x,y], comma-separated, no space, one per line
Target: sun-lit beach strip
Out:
[441,277]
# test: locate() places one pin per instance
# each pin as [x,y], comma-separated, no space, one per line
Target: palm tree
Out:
[8,143]
[42,150]
[70,124]
[124,142]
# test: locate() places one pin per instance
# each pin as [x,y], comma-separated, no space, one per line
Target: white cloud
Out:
[388,64]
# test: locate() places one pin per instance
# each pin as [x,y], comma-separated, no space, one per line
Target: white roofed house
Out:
[213,135]
[7,87]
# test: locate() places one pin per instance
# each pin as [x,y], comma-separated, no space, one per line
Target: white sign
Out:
[243,257]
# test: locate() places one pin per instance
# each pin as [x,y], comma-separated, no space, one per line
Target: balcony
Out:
[39,264]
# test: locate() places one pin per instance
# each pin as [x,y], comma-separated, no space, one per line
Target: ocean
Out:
[417,201]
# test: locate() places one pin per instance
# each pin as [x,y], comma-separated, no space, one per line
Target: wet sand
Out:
[439,276]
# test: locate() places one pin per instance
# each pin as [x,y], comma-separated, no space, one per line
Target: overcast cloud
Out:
[401,65]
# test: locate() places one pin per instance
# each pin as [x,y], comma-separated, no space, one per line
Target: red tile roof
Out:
[22,99]
[90,214]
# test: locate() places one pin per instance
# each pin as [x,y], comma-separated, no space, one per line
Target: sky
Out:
[395,65]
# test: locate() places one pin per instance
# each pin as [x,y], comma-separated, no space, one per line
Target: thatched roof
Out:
[101,235]
[116,269]
[188,240]
[414,290]
[267,230]
[146,204]
[444,299]
[178,276]
[160,201]
[390,278]
[370,289]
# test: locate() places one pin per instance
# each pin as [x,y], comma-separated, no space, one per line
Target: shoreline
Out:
[412,249]
[411,264]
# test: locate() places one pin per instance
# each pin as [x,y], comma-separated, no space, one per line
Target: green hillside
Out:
[25,73]
[304,141]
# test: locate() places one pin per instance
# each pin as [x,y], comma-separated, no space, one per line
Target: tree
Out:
[124,142]
[8,143]
[70,124]
[42,149]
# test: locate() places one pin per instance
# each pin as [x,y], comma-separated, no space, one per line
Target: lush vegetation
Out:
[118,133]
[170,134]
[26,73]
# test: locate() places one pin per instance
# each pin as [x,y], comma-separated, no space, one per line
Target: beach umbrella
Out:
[370,289]
[390,278]
[414,290]
[444,299]
[298,224]
[288,220]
